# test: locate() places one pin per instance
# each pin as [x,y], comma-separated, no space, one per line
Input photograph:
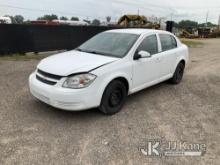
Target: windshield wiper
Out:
[94,52]
[87,51]
[78,49]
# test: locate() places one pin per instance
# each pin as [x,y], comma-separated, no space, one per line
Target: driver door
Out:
[146,71]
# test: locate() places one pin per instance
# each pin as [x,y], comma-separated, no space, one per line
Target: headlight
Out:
[79,81]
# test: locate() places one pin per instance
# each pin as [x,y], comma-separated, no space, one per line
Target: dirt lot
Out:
[34,133]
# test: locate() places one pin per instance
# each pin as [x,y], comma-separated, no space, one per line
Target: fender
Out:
[178,61]
[110,78]
[183,57]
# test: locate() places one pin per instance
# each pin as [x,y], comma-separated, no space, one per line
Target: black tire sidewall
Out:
[174,79]
[104,107]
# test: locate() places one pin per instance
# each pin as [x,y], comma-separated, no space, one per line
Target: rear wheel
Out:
[178,75]
[113,98]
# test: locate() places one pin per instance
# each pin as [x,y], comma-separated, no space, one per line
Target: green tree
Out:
[63,18]
[27,22]
[108,19]
[187,24]
[96,22]
[48,17]
[176,25]
[209,24]
[19,19]
[74,19]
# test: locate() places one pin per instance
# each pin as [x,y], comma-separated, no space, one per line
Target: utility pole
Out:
[171,16]
[207,16]
[138,11]
[219,23]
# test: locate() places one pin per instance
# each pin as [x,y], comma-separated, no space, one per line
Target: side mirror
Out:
[141,54]
[144,54]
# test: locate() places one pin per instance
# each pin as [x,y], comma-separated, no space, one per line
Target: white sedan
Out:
[103,71]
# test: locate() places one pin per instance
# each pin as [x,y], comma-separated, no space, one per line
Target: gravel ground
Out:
[33,133]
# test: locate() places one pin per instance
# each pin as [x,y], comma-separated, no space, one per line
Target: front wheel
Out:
[178,75]
[113,98]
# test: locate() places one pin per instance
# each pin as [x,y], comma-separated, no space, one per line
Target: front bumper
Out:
[63,98]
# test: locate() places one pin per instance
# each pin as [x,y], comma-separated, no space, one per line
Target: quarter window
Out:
[149,44]
[168,42]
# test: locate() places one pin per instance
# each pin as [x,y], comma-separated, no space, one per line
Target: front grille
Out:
[45,81]
[49,75]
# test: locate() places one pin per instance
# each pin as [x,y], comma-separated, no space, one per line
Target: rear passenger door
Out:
[168,54]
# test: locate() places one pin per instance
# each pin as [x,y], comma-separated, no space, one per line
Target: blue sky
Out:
[178,9]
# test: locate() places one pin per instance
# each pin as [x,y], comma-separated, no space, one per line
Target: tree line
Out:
[19,19]
[51,17]
[192,24]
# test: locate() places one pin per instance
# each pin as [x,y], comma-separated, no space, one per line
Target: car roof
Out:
[139,31]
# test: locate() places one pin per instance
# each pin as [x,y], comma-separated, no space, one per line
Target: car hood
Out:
[71,62]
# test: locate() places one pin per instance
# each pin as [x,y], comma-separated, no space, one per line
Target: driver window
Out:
[149,44]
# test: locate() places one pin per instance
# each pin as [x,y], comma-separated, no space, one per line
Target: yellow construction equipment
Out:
[187,34]
[137,21]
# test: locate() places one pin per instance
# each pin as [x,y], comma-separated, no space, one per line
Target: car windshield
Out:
[109,44]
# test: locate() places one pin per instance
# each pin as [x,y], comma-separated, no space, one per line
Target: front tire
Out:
[113,98]
[178,75]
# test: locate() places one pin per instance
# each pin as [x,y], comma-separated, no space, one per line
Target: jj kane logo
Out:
[173,148]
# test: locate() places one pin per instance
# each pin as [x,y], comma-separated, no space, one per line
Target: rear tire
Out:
[113,98]
[178,75]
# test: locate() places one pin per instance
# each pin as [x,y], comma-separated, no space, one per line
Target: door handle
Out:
[158,59]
